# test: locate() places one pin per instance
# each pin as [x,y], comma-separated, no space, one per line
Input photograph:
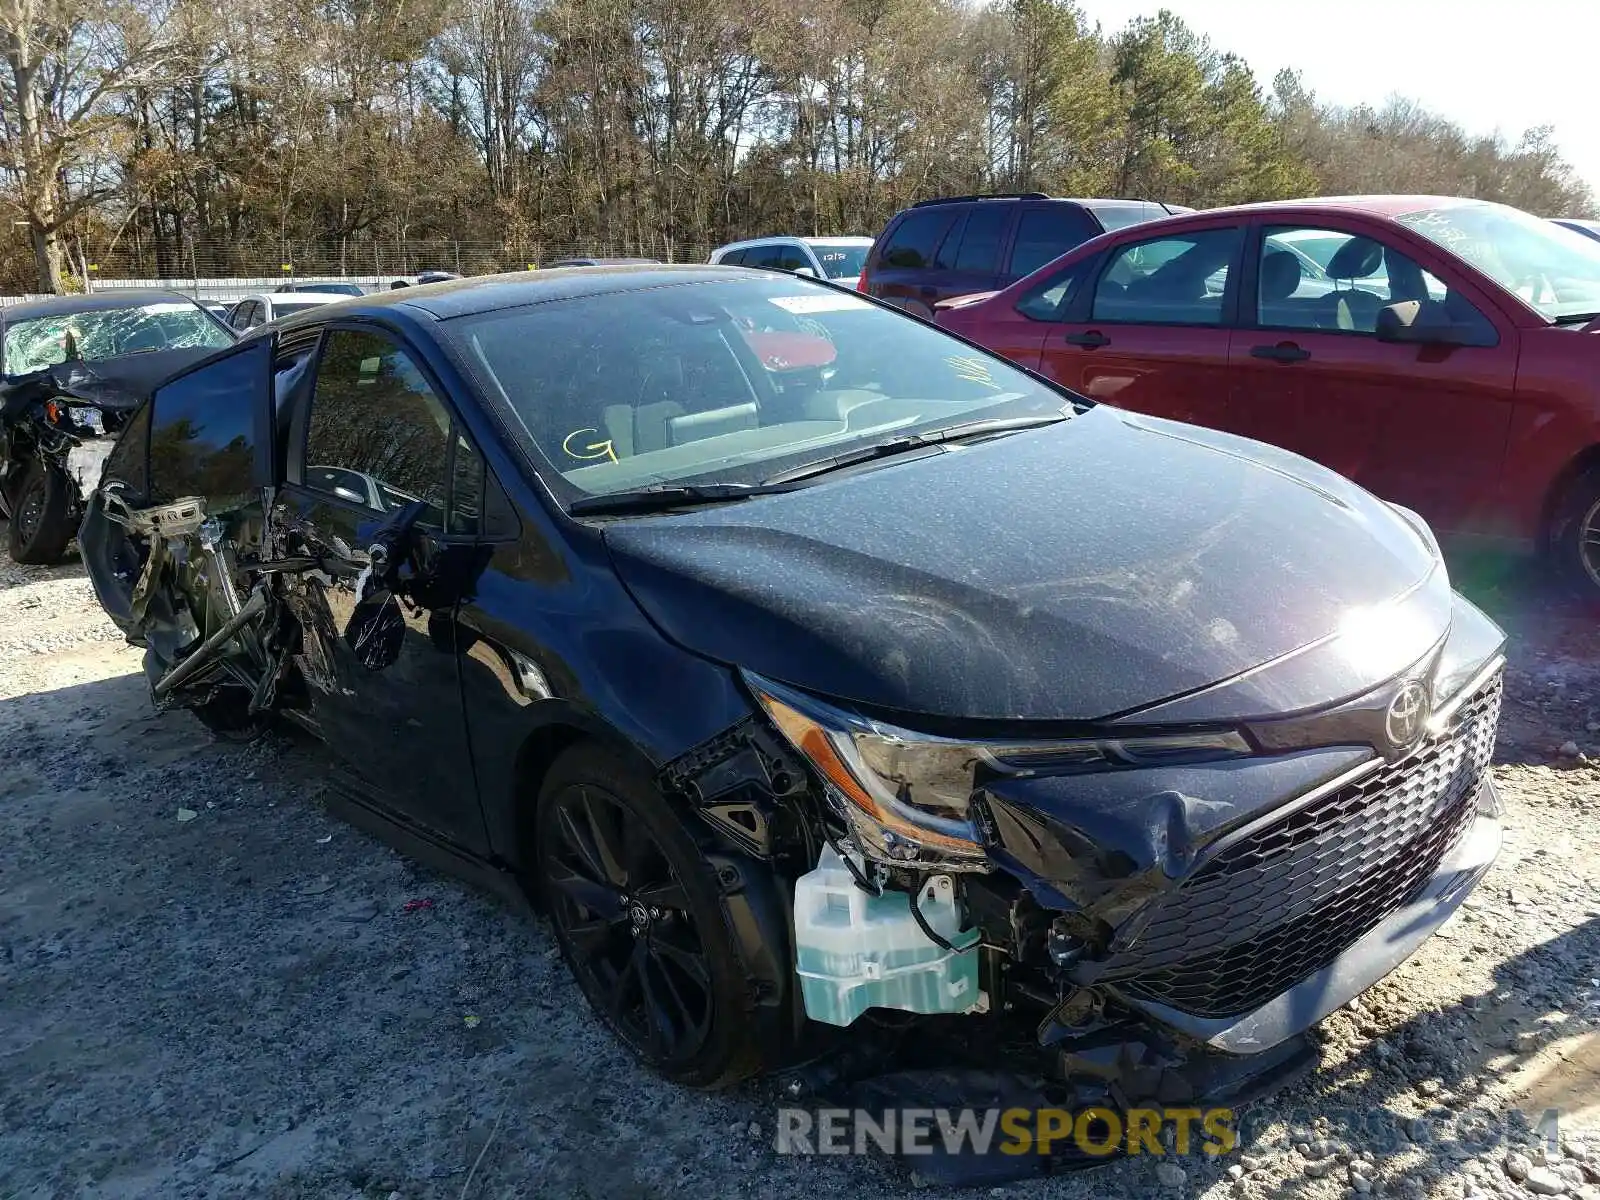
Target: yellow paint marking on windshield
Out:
[592,451]
[973,370]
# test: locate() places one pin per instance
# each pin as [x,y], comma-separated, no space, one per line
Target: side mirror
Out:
[1421,323]
[806,271]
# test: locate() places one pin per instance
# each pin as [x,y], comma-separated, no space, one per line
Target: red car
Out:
[1443,353]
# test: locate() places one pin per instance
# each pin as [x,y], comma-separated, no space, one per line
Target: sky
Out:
[1484,64]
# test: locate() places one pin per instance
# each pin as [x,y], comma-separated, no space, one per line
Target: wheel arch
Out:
[561,729]
[1585,462]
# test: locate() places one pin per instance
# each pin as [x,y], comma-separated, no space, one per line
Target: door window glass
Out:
[974,245]
[791,258]
[1328,280]
[913,241]
[202,430]
[377,434]
[1048,232]
[762,256]
[1174,280]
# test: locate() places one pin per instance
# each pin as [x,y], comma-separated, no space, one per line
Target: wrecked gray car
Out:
[71,371]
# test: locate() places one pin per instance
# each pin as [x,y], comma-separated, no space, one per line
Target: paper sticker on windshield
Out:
[815,304]
[973,370]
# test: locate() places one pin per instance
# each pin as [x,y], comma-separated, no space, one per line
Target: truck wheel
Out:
[41,516]
[639,919]
[1575,536]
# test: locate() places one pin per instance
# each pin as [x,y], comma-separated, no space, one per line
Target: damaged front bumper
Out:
[1142,930]
[1377,953]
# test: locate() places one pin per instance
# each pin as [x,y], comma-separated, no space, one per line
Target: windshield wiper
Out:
[913,441]
[661,496]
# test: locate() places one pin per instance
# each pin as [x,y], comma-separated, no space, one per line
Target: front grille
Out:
[1284,901]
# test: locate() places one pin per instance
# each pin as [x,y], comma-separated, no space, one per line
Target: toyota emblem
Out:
[1408,713]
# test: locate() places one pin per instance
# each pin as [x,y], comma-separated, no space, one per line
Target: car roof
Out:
[295,297]
[57,306]
[1379,206]
[488,293]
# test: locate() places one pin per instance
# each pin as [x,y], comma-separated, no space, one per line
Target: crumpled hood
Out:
[1065,574]
[118,384]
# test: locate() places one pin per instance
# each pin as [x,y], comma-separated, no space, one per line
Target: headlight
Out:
[908,795]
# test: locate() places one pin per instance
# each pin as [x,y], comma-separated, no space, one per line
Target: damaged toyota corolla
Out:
[805,662]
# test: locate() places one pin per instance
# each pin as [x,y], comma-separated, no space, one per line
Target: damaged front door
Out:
[370,449]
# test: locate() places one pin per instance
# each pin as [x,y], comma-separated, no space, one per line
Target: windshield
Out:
[1134,212]
[729,381]
[841,262]
[1553,269]
[32,345]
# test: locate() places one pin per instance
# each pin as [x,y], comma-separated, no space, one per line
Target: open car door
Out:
[179,507]
[258,582]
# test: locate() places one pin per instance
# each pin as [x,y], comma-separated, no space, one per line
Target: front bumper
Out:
[1364,963]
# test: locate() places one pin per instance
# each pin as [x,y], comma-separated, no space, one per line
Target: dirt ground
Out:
[209,987]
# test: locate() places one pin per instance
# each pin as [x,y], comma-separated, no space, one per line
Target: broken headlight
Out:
[908,796]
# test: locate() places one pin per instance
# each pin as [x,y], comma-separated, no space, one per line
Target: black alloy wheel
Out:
[634,907]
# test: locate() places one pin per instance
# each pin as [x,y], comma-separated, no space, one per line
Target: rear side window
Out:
[734,258]
[203,429]
[980,241]
[915,238]
[377,434]
[1048,232]
[973,245]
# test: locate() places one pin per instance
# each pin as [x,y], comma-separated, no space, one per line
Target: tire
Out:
[41,516]
[638,916]
[1575,537]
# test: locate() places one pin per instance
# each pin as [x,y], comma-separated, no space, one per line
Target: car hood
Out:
[1078,572]
[112,383]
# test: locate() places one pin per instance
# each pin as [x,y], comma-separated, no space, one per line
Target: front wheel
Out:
[41,515]
[638,916]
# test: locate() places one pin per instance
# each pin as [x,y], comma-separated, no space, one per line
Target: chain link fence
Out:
[228,271]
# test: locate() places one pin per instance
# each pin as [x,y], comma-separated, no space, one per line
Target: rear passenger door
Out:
[968,258]
[1153,333]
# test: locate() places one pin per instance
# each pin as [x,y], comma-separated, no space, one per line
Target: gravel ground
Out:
[209,987]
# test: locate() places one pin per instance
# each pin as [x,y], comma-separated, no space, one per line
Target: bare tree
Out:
[67,60]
